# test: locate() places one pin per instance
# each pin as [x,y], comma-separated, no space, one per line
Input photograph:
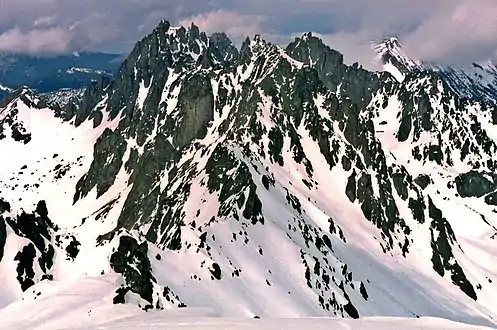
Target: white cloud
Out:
[49,40]
[467,32]
[45,21]
[234,24]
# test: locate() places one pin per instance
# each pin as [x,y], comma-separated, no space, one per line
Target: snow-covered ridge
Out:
[474,81]
[85,70]
[5,89]
[51,313]
[64,96]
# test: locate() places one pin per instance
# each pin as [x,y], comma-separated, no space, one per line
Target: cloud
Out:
[113,25]
[355,47]
[236,25]
[442,31]
[433,30]
[45,21]
[468,31]
[49,40]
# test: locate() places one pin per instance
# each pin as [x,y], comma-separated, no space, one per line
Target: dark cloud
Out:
[431,30]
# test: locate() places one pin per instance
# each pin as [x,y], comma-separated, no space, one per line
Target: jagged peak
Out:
[166,38]
[192,31]
[306,35]
[25,95]
[392,43]
[258,39]
[392,47]
[308,48]
[254,46]
[219,36]
[390,53]
[163,25]
[309,39]
[223,46]
[23,90]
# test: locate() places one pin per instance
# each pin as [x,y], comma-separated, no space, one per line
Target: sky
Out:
[443,31]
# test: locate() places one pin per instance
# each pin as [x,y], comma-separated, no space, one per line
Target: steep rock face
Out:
[222,47]
[206,167]
[131,261]
[196,110]
[149,87]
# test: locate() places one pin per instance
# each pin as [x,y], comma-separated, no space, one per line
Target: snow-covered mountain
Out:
[259,182]
[474,81]
[390,53]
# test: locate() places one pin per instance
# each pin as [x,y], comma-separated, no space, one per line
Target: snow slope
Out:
[87,305]
[87,308]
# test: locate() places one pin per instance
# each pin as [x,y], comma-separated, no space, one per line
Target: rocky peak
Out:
[25,94]
[226,52]
[260,46]
[391,54]
[354,81]
[309,48]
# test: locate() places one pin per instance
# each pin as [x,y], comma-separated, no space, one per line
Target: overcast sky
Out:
[431,30]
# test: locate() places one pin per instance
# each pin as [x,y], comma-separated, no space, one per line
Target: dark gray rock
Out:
[196,110]
[3,236]
[442,240]
[131,261]
[491,199]
[423,181]
[475,184]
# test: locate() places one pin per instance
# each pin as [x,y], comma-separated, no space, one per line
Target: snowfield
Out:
[86,305]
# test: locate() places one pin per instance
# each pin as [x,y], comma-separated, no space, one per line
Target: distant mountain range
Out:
[50,74]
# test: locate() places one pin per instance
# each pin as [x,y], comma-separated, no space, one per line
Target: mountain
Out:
[390,53]
[253,182]
[54,73]
[474,81]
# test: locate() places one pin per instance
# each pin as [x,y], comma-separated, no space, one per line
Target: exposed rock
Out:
[423,181]
[131,261]
[475,184]
[491,199]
